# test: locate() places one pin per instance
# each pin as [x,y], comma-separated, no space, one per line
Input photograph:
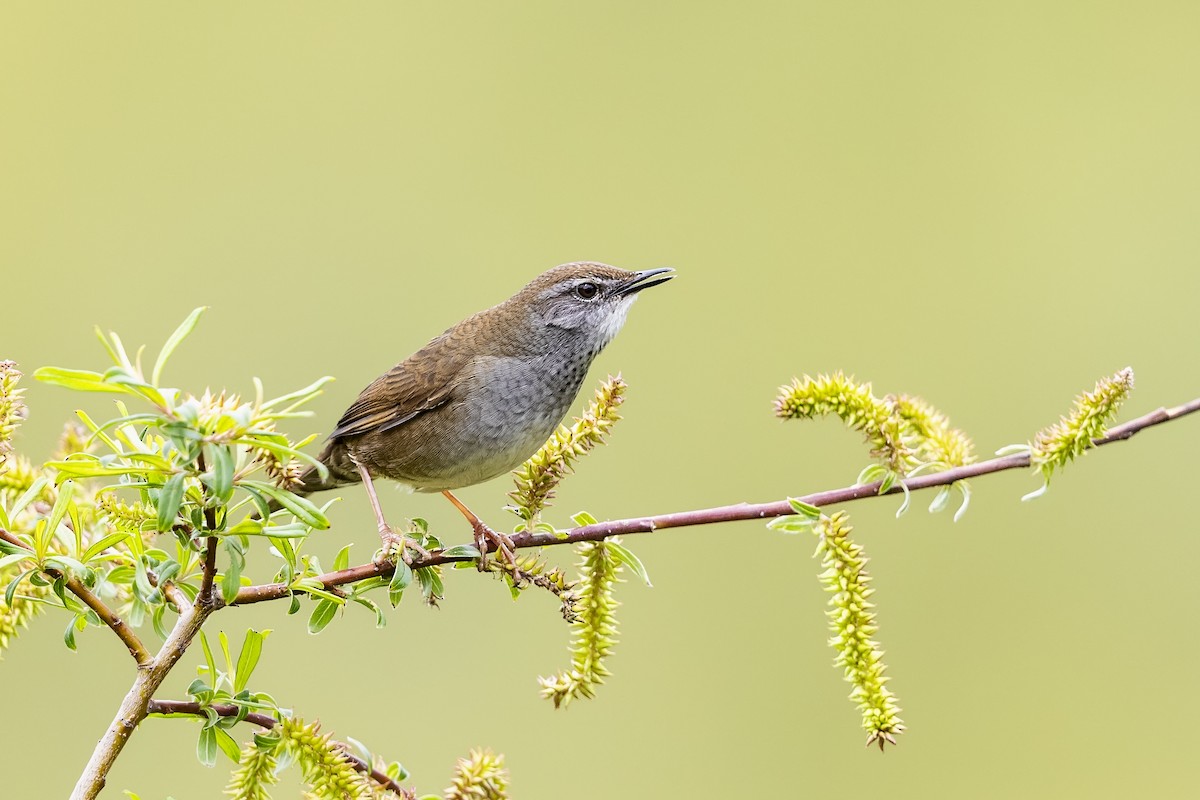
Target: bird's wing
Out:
[422,382]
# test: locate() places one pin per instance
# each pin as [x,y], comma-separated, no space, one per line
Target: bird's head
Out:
[586,299]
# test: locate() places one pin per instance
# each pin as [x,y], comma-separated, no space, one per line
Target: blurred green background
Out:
[990,205]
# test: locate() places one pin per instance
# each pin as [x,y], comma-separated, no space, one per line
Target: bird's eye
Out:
[587,291]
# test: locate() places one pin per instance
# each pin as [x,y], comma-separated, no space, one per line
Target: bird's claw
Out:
[397,544]
[504,545]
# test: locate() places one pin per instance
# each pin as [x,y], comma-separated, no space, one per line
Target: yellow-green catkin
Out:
[15,617]
[1053,447]
[255,773]
[12,409]
[852,623]
[935,440]
[329,775]
[16,475]
[594,628]
[853,403]
[537,478]
[480,776]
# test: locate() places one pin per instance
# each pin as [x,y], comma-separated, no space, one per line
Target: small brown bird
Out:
[481,398]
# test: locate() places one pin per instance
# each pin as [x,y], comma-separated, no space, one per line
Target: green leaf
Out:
[141,581]
[907,500]
[870,474]
[342,560]
[9,560]
[220,459]
[231,579]
[248,658]
[627,557]
[300,507]
[122,377]
[73,626]
[169,499]
[583,519]
[85,465]
[965,489]
[322,615]
[401,578]
[206,747]
[59,511]
[66,565]
[77,379]
[11,591]
[28,496]
[209,660]
[461,551]
[173,341]
[380,619]
[804,509]
[99,546]
[228,745]
[431,584]
[302,395]
[11,549]
[157,621]
[940,500]
[792,524]
[1036,493]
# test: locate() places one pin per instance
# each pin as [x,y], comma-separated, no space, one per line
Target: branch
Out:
[210,556]
[205,597]
[169,707]
[730,513]
[130,639]
[133,708]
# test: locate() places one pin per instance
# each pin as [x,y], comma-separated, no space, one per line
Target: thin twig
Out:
[168,707]
[109,617]
[730,513]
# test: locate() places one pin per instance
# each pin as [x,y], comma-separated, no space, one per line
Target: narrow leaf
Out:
[300,507]
[173,341]
[228,744]
[322,615]
[77,379]
[629,559]
[99,546]
[169,499]
[28,496]
[342,560]
[248,658]
[401,578]
[206,747]
[461,551]
[805,509]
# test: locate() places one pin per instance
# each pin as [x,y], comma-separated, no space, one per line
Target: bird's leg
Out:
[484,534]
[392,541]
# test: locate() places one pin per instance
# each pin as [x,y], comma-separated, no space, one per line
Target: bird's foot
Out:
[397,545]
[502,541]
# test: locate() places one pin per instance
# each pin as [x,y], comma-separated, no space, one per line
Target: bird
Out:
[481,398]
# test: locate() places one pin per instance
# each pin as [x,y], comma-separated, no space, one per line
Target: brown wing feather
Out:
[420,383]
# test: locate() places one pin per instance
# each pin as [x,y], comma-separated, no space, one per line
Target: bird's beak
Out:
[645,279]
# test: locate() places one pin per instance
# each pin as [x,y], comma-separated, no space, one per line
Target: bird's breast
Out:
[502,411]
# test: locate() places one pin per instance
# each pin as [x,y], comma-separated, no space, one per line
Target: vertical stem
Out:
[133,707]
[210,570]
